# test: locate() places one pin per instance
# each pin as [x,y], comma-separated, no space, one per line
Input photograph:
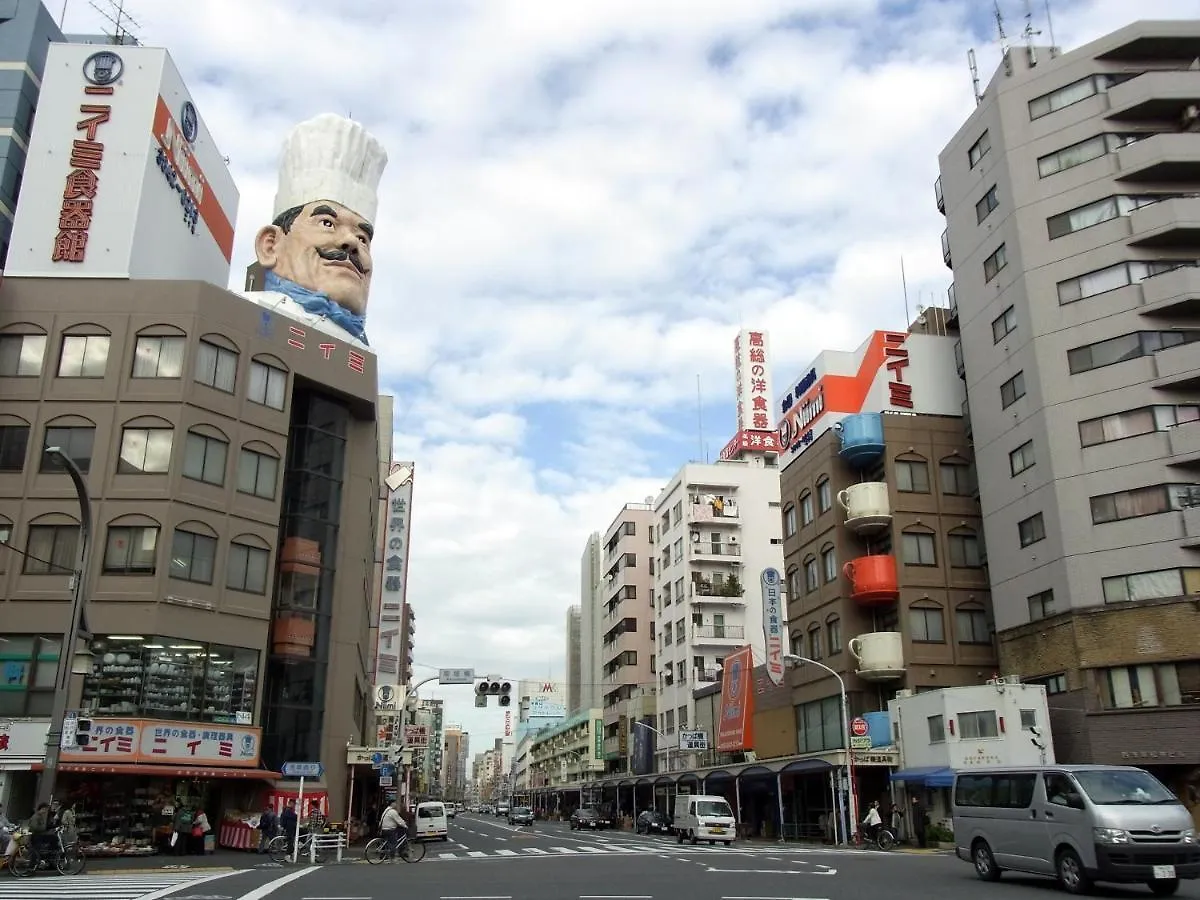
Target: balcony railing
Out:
[719,632]
[706,675]
[716,548]
[939,196]
[729,588]
[708,512]
[952,298]
[946,258]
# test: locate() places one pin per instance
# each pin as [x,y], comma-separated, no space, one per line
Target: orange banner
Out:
[735,731]
[176,743]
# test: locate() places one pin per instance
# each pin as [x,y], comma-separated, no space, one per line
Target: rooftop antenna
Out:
[904,287]
[1050,30]
[114,12]
[974,76]
[1029,34]
[1008,70]
[62,16]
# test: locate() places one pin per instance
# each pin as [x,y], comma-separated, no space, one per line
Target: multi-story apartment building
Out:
[456,750]
[574,657]
[627,641]
[591,620]
[1070,202]
[427,764]
[717,527]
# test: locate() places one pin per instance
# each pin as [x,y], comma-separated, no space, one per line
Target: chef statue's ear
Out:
[266,245]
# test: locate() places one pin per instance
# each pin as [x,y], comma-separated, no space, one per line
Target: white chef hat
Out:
[330,158]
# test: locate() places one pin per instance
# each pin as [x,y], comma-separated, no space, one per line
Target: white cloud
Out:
[579,212]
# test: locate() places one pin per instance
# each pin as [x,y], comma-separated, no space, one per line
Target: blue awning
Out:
[929,776]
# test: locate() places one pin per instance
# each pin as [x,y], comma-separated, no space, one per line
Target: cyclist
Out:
[390,825]
[41,830]
[873,822]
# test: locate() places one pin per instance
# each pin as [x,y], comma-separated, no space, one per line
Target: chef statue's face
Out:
[321,246]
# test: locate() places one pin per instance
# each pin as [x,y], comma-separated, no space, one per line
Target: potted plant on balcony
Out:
[731,587]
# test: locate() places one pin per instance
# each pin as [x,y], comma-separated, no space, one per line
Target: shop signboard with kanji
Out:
[394,551]
[176,743]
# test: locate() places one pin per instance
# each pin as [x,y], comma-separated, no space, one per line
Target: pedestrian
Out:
[896,820]
[67,823]
[200,828]
[289,823]
[182,830]
[920,820]
[267,827]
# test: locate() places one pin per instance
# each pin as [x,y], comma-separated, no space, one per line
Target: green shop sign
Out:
[599,738]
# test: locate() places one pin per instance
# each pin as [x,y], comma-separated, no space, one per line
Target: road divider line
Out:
[261,891]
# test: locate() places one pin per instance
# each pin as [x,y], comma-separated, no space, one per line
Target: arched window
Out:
[811,576]
[258,470]
[829,566]
[911,472]
[927,623]
[146,444]
[84,351]
[824,496]
[217,362]
[249,564]
[51,545]
[833,628]
[789,520]
[158,352]
[193,552]
[963,545]
[972,623]
[794,588]
[814,641]
[957,475]
[14,443]
[268,381]
[205,453]
[920,546]
[22,350]
[806,508]
[75,436]
[131,546]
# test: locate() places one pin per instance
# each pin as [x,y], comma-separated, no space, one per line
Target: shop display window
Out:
[133,816]
[28,666]
[171,678]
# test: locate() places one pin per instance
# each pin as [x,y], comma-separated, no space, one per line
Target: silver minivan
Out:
[1080,824]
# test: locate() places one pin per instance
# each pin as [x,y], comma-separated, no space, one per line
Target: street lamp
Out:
[795,661]
[579,755]
[71,659]
[661,735]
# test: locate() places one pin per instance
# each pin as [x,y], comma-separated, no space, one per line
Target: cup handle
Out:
[842,498]
[855,647]
[848,570]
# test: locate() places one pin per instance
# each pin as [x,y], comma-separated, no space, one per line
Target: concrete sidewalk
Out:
[221,860]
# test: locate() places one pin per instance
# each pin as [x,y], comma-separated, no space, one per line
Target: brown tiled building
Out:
[231,460]
[884,567]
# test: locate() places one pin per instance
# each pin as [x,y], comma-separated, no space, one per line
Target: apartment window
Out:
[1148,686]
[819,725]
[204,458]
[1004,324]
[159,357]
[958,478]
[834,628]
[1041,605]
[14,443]
[21,355]
[824,496]
[629,561]
[926,625]
[1054,684]
[829,564]
[83,356]
[1084,151]
[247,569]
[973,726]
[919,549]
[814,642]
[811,578]
[145,451]
[257,474]
[1125,348]
[973,626]
[1112,278]
[629,528]
[130,550]
[979,149]
[1096,213]
[912,476]
[30,666]
[789,521]
[1067,95]
[76,442]
[1147,585]
[1135,422]
[193,556]
[1031,530]
[1146,501]
[677,513]
[50,549]
[1012,390]
[216,366]
[806,509]
[994,263]
[964,551]
[1021,459]
[793,584]
[986,204]
[937,729]
[268,385]
[679,550]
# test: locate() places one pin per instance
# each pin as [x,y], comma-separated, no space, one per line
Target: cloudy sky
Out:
[584,201]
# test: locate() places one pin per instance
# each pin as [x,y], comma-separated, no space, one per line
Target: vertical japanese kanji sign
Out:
[396,531]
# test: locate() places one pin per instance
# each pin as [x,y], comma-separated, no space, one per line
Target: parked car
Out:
[587,817]
[652,822]
[520,815]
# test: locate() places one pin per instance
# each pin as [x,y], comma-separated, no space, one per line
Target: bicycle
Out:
[67,858]
[883,839]
[279,848]
[381,848]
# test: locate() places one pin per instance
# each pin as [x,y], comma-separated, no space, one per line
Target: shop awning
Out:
[167,771]
[930,776]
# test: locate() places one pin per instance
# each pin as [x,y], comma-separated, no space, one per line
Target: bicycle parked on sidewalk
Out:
[279,848]
[381,848]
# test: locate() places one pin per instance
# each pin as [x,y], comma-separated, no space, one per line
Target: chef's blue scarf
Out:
[318,304]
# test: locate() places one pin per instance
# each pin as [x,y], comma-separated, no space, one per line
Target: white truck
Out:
[701,817]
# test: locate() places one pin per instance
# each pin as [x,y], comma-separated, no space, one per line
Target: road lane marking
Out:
[476,853]
[507,853]
[827,871]
[565,849]
[537,850]
[262,890]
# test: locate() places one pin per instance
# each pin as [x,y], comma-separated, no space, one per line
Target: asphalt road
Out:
[485,859]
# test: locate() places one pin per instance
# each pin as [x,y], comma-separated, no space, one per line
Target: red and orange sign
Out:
[83,181]
[735,730]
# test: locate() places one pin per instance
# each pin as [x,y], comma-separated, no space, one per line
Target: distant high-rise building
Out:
[1070,196]
[455,754]
[574,657]
[591,622]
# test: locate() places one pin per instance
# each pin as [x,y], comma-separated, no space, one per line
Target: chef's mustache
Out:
[336,255]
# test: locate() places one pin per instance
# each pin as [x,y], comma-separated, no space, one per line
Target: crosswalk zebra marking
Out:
[104,887]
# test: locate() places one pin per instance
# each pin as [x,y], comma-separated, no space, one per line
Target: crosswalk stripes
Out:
[623,849]
[96,887]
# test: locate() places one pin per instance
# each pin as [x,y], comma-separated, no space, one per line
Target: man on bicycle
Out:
[873,822]
[42,838]
[390,825]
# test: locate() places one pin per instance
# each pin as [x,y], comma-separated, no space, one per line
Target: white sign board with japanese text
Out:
[752,361]
[394,580]
[181,743]
[774,620]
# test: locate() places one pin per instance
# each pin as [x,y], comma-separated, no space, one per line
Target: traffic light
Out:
[505,692]
[83,728]
[493,686]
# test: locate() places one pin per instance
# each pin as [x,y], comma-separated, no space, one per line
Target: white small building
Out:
[1001,723]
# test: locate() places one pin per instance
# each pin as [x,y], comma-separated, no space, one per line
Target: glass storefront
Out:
[171,678]
[28,667]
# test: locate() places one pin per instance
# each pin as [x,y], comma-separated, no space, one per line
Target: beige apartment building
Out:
[1071,204]
[232,466]
[627,630]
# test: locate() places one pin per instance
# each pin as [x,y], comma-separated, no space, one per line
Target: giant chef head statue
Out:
[317,250]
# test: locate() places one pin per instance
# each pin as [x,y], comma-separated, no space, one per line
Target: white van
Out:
[1079,824]
[699,817]
[432,822]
